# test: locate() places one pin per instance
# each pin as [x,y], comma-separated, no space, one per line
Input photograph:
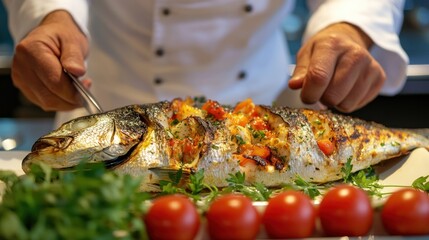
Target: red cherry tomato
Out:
[232,216]
[406,212]
[290,214]
[172,217]
[346,211]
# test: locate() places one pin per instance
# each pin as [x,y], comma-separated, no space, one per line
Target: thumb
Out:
[73,58]
[302,61]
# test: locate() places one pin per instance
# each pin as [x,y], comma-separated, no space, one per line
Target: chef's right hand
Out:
[39,58]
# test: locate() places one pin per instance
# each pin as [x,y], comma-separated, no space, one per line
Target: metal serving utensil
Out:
[89,102]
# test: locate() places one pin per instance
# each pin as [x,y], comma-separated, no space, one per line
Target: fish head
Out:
[95,138]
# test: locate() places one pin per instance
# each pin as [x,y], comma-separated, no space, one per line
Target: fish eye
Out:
[82,123]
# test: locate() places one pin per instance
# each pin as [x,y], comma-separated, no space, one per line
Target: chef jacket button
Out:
[166,11]
[248,8]
[159,52]
[158,81]
[241,75]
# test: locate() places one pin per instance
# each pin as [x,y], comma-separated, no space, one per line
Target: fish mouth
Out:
[108,163]
[45,144]
[56,143]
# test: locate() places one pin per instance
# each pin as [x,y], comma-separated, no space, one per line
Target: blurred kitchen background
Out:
[409,109]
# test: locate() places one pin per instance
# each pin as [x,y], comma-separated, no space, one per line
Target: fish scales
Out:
[271,145]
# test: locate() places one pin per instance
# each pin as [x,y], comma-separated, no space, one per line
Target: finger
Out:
[30,70]
[377,84]
[357,93]
[87,82]
[302,61]
[42,97]
[350,67]
[56,82]
[73,53]
[320,71]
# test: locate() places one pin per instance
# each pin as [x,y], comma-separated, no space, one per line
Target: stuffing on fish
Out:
[271,145]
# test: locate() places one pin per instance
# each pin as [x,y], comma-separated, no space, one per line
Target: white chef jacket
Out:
[227,50]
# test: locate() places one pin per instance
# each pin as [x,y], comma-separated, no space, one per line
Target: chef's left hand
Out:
[335,67]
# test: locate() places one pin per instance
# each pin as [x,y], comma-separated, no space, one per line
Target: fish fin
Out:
[152,188]
[175,175]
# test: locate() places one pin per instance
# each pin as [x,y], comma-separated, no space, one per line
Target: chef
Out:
[137,51]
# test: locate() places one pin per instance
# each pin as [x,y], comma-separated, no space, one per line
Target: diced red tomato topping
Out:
[326,145]
[255,150]
[239,119]
[247,107]
[188,146]
[177,106]
[259,124]
[215,109]
[244,161]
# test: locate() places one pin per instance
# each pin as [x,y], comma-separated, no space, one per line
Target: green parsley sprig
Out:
[256,191]
[87,203]
[368,180]
[311,189]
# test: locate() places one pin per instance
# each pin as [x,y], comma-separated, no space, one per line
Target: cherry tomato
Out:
[233,216]
[290,214]
[346,210]
[172,217]
[406,212]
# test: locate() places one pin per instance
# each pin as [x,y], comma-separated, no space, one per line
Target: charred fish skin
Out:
[365,143]
[152,150]
[157,155]
[94,138]
[271,145]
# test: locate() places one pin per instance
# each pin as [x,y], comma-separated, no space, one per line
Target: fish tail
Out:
[421,131]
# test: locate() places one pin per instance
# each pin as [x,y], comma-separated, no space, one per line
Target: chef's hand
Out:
[336,68]
[39,58]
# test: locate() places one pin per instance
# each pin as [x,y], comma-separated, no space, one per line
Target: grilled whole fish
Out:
[271,145]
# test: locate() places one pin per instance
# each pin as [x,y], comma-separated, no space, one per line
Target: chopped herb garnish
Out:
[259,134]
[240,140]
[320,133]
[200,99]
[175,122]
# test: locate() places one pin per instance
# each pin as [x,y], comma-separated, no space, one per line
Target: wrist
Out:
[57,16]
[353,31]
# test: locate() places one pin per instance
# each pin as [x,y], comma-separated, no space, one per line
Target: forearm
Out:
[25,15]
